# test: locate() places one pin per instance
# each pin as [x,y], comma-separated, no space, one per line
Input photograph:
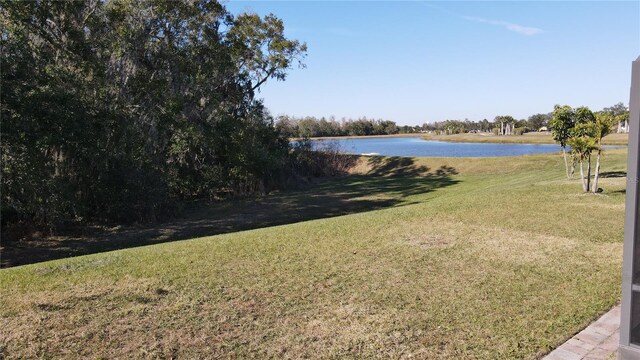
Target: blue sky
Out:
[415,62]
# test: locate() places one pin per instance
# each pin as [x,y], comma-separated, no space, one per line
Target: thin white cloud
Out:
[521,29]
[525,30]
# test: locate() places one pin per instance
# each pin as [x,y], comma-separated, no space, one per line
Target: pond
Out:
[412,146]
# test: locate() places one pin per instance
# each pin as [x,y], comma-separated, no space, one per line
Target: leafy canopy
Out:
[561,123]
[123,109]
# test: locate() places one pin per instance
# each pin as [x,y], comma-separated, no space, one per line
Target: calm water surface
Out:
[418,147]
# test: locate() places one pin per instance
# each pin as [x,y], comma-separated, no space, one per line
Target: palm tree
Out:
[603,126]
[561,123]
[581,149]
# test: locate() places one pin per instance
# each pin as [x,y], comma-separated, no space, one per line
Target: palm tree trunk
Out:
[566,164]
[594,189]
[588,172]
[626,126]
[573,167]
[584,183]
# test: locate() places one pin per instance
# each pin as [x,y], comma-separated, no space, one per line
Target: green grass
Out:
[528,138]
[377,183]
[505,259]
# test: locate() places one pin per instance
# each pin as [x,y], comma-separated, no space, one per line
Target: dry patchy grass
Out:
[507,262]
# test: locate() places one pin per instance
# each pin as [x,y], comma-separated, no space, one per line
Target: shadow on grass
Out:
[613,174]
[389,182]
[404,166]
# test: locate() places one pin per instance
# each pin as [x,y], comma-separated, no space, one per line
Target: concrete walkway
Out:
[598,341]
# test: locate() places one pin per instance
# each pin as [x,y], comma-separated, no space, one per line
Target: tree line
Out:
[309,126]
[507,124]
[118,110]
[497,125]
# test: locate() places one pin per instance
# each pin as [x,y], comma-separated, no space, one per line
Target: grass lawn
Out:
[528,138]
[438,258]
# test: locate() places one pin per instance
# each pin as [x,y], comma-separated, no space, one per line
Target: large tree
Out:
[583,141]
[507,123]
[561,123]
[538,121]
[118,109]
[620,112]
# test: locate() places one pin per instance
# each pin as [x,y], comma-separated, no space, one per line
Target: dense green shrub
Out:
[519,130]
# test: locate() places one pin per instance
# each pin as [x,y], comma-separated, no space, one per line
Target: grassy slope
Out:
[528,138]
[507,263]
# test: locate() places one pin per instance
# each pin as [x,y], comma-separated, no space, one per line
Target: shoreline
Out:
[533,139]
[362,137]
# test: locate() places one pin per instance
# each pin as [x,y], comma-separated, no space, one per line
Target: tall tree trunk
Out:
[588,172]
[566,163]
[584,183]
[594,188]
[626,126]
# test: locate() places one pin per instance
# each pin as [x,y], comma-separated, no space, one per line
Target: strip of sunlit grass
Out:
[528,138]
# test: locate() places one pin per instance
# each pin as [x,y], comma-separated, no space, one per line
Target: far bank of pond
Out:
[528,138]
[413,146]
